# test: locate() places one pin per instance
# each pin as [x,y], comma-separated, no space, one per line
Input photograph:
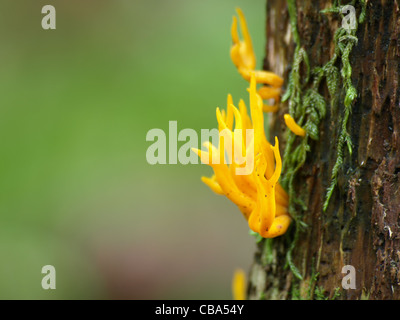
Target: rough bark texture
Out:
[361,226]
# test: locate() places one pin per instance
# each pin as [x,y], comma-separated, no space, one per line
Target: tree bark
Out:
[361,225]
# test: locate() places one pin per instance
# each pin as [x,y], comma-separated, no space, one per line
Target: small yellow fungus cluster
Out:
[293,126]
[256,191]
[239,285]
[242,55]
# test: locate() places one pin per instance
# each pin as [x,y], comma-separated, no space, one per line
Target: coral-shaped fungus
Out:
[242,55]
[239,285]
[293,126]
[256,191]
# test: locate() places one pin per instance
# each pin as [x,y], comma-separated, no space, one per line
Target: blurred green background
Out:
[76,190]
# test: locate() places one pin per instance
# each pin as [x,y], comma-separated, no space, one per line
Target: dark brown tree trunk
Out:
[361,224]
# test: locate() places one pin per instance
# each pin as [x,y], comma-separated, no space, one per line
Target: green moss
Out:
[295,292]
[256,235]
[307,290]
[304,290]
[344,43]
[319,294]
[267,255]
[308,107]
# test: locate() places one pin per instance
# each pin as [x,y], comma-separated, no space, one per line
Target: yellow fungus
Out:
[293,126]
[256,190]
[269,92]
[267,108]
[239,285]
[213,184]
[243,57]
